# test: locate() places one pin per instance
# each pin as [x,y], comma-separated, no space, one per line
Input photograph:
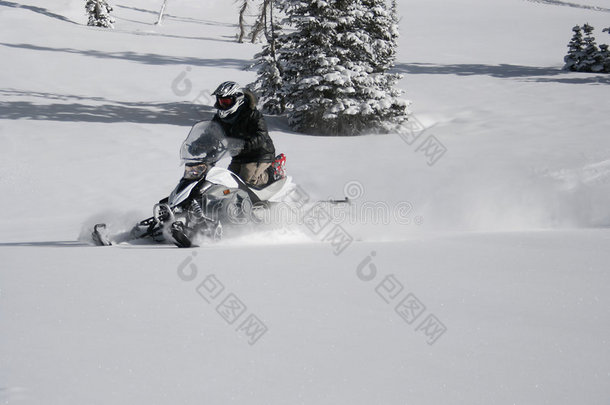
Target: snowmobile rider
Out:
[238,116]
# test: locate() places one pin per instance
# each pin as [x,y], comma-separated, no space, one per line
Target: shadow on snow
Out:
[503,71]
[471,69]
[568,4]
[38,10]
[100,109]
[146,58]
[167,16]
[62,243]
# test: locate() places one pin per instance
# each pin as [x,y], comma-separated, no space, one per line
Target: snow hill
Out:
[474,263]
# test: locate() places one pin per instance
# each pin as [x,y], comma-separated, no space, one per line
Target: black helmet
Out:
[229,97]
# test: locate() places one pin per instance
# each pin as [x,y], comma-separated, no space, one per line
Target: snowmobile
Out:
[207,198]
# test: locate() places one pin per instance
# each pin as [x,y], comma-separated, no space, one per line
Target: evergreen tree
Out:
[604,56]
[575,54]
[99,14]
[584,55]
[335,66]
[380,22]
[269,83]
[590,60]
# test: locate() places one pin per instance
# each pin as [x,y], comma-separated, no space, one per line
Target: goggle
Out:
[225,102]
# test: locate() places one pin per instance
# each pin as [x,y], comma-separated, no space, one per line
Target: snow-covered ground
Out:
[478,271]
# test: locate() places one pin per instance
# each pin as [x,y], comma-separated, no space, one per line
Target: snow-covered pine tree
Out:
[269,84]
[311,66]
[600,58]
[377,33]
[380,22]
[395,21]
[99,13]
[584,55]
[604,56]
[575,54]
[590,58]
[335,66]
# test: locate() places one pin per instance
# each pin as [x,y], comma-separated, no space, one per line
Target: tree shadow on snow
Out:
[184,114]
[503,71]
[568,4]
[35,9]
[157,34]
[146,58]
[177,113]
[80,244]
[167,16]
[587,78]
[62,243]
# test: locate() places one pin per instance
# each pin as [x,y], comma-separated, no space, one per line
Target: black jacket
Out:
[248,124]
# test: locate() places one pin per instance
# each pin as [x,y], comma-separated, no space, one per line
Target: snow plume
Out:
[407,194]
[582,194]
[496,200]
[517,201]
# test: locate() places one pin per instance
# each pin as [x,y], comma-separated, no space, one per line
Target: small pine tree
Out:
[604,55]
[575,54]
[584,55]
[99,13]
[590,61]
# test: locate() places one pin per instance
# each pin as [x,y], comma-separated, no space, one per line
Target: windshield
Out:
[207,143]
